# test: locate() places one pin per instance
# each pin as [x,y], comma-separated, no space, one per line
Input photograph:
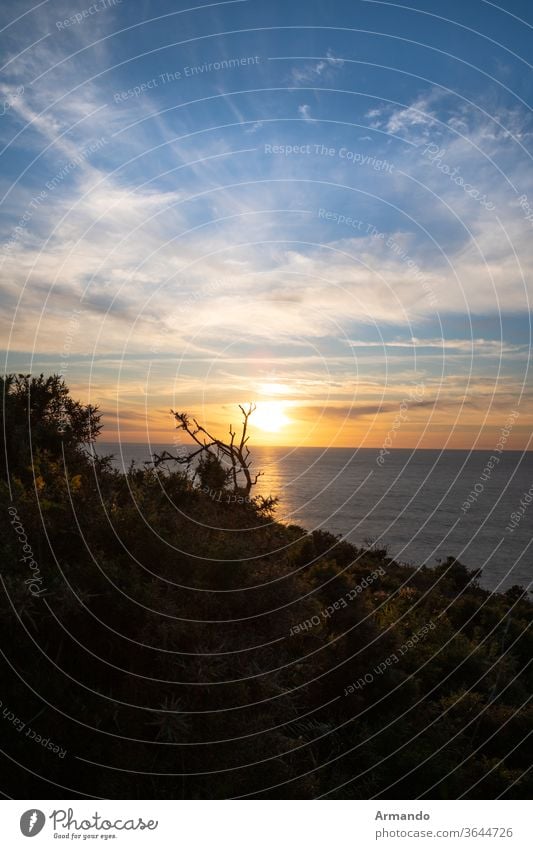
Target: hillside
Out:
[176,643]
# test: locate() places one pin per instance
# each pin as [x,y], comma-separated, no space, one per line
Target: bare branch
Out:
[237,453]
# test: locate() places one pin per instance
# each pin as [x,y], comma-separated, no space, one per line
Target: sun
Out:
[270,416]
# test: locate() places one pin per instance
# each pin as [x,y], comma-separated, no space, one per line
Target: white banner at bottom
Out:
[195,824]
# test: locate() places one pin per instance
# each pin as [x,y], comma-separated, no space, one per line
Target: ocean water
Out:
[413,504]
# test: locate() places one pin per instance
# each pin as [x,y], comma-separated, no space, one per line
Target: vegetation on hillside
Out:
[175,641]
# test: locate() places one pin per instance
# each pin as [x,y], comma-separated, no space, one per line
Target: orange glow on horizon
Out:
[285,418]
[292,424]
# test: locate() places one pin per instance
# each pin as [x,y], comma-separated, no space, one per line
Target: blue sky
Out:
[317,205]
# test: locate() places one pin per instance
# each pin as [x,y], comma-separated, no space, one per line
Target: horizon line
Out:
[331,447]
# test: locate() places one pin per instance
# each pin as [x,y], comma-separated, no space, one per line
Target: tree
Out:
[214,453]
[38,414]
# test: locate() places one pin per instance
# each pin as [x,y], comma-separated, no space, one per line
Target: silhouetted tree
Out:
[38,414]
[235,454]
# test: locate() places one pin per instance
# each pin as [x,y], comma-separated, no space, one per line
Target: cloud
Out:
[254,128]
[358,410]
[183,256]
[401,120]
[479,347]
[309,73]
[418,114]
[304,111]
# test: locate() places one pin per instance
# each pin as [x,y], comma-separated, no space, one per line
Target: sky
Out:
[323,207]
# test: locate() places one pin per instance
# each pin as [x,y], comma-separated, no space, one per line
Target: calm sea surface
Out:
[412,504]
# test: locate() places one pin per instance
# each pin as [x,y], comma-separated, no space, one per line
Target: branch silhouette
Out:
[235,452]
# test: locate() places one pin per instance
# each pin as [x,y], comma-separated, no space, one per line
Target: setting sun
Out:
[270,416]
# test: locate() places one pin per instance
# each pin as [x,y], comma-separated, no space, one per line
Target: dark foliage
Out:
[181,646]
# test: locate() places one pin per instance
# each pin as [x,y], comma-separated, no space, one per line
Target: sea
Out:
[422,505]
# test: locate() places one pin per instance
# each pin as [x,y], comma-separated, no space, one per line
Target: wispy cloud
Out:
[190,249]
[418,114]
[479,347]
[311,72]
[304,111]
